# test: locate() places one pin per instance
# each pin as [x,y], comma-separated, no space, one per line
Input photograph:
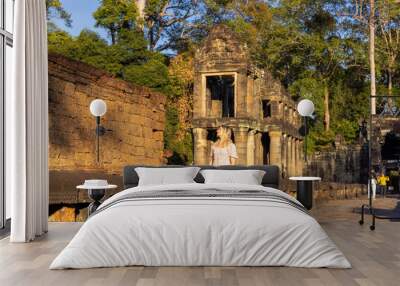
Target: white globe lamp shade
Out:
[98,107]
[305,107]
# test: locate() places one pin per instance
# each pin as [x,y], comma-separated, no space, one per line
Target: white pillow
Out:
[248,177]
[166,176]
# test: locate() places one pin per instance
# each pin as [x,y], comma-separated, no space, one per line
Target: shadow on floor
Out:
[5,231]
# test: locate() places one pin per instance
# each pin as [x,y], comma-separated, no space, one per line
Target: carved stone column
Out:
[296,159]
[251,147]
[200,146]
[296,156]
[259,156]
[284,155]
[289,157]
[240,96]
[275,148]
[256,148]
[250,97]
[301,159]
[241,144]
[199,96]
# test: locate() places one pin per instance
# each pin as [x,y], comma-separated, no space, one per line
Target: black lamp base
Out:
[305,193]
[96,196]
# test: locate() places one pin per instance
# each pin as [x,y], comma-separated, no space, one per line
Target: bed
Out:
[198,224]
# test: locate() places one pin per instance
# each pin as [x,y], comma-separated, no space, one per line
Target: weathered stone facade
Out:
[385,140]
[230,91]
[343,164]
[135,120]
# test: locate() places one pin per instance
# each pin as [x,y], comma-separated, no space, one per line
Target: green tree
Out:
[88,47]
[129,47]
[313,52]
[117,17]
[55,9]
[177,134]
[168,23]
[153,73]
[388,39]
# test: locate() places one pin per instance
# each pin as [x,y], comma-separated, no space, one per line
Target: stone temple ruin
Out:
[385,141]
[229,90]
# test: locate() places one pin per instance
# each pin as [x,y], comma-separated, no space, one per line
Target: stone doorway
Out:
[391,147]
[265,143]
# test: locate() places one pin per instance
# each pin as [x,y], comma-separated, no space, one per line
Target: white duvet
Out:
[200,231]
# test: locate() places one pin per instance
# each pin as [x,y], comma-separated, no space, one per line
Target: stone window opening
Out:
[390,150]
[266,107]
[265,143]
[212,135]
[221,89]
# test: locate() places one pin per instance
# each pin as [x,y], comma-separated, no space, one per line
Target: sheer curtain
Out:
[27,123]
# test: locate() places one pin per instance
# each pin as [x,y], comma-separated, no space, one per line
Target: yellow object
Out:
[382,180]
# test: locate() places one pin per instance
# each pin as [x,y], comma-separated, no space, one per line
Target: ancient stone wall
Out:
[343,170]
[326,191]
[135,120]
[346,164]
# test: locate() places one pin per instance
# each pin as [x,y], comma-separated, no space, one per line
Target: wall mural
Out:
[169,87]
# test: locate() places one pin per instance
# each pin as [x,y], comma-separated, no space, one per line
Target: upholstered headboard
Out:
[271,177]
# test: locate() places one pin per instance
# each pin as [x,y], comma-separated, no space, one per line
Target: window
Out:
[6,64]
[266,106]
[222,93]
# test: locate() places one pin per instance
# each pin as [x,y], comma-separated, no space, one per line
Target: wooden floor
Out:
[375,257]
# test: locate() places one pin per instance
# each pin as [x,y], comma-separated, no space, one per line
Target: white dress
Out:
[221,155]
[373,185]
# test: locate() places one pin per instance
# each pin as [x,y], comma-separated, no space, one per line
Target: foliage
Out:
[178,136]
[388,40]
[167,22]
[153,73]
[128,59]
[116,17]
[181,73]
[88,47]
[55,9]
[182,151]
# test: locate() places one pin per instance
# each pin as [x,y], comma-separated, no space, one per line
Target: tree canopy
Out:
[56,10]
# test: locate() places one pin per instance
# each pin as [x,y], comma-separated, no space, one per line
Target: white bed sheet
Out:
[200,232]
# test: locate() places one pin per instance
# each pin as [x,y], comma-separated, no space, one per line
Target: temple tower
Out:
[229,90]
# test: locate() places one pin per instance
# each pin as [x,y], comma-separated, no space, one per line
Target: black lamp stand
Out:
[100,131]
[305,139]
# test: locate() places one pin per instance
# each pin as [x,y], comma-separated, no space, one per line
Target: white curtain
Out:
[27,123]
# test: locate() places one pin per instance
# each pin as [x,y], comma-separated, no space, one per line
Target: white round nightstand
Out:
[304,193]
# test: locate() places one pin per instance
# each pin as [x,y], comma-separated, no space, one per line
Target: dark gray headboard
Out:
[271,177]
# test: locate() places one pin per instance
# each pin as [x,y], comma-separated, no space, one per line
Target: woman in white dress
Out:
[373,186]
[223,151]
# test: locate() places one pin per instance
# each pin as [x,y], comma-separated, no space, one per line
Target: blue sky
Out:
[81,12]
